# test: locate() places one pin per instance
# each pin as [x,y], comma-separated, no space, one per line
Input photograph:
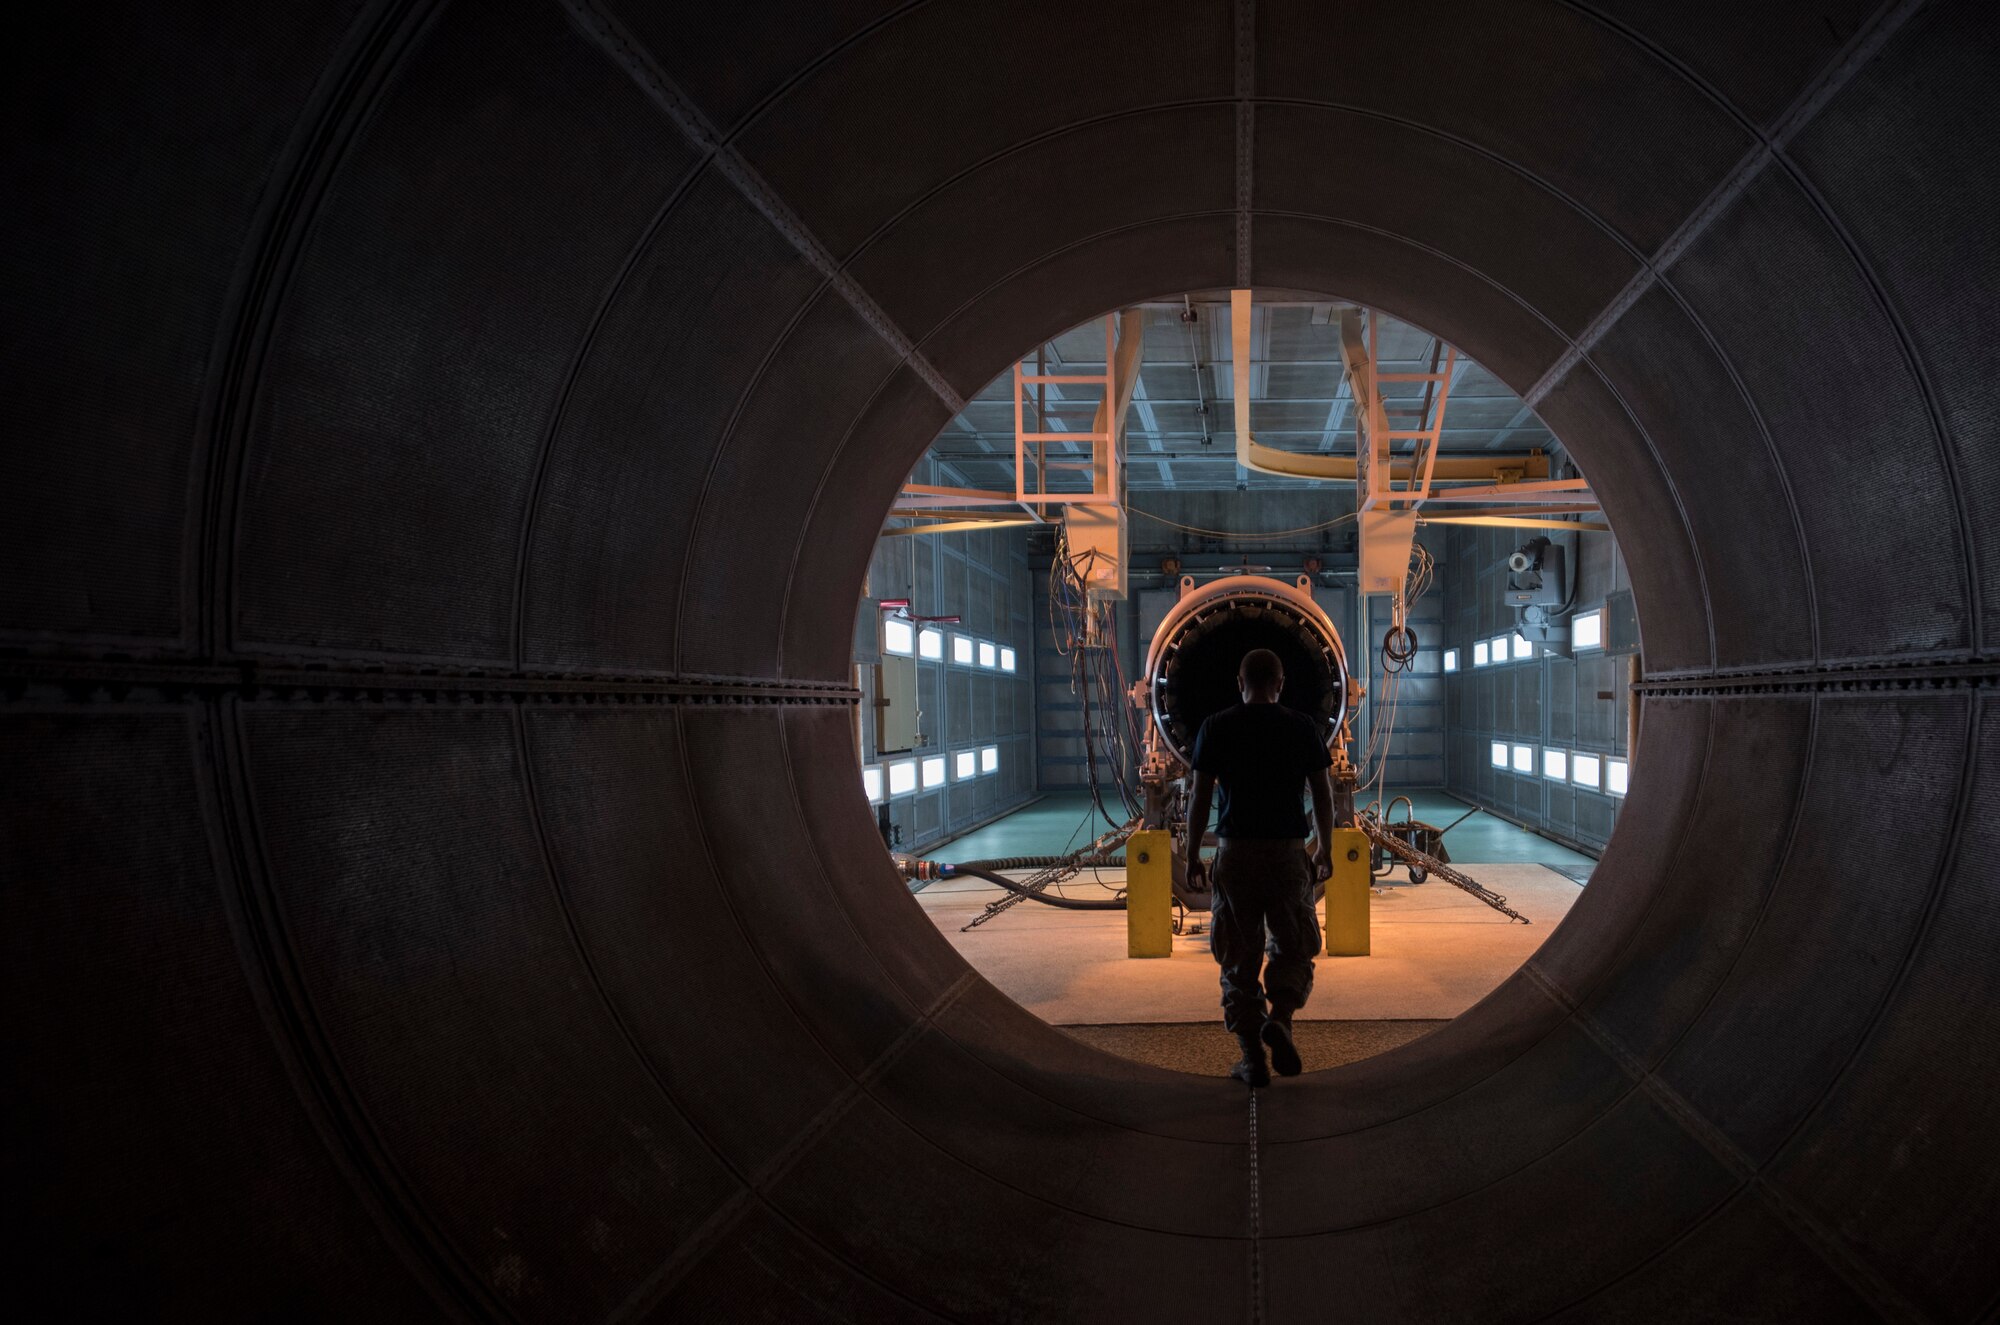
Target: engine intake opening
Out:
[1192,664]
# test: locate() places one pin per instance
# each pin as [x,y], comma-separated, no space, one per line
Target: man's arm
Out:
[1322,794]
[1197,824]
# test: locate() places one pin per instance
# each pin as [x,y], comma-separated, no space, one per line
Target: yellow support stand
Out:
[1149,894]
[1347,895]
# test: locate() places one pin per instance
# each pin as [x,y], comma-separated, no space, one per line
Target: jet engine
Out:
[1191,673]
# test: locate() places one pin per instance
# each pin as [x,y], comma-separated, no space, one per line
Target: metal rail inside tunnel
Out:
[445,445]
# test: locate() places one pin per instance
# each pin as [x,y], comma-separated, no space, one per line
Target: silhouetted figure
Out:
[1263,755]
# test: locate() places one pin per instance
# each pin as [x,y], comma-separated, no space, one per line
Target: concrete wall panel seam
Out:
[1954,830]
[834,461]
[973,300]
[1857,1273]
[592,19]
[331,1099]
[379,45]
[1771,450]
[1861,48]
[743,400]
[1246,138]
[758,1185]
[1968,529]
[1680,510]
[531,508]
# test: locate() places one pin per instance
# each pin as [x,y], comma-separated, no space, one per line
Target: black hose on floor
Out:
[1040,862]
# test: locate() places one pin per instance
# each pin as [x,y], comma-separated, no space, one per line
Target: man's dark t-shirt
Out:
[1261,755]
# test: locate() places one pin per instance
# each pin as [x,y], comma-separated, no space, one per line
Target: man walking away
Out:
[1264,756]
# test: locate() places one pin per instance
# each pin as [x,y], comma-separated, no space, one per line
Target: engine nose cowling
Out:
[1192,663]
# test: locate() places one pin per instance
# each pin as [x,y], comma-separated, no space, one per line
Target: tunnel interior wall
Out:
[447,443]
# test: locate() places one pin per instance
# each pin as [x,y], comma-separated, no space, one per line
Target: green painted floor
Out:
[1064,821]
[1489,841]
[1050,826]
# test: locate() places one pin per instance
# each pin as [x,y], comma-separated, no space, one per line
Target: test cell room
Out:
[1072,575]
[911,661]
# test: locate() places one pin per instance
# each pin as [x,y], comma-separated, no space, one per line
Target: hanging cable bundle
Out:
[1399,644]
[1085,632]
[1399,654]
[1399,648]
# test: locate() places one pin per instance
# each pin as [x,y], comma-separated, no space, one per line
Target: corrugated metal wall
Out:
[1574,704]
[1417,738]
[1060,761]
[983,577]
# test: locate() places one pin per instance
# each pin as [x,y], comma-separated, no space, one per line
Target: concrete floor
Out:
[1437,951]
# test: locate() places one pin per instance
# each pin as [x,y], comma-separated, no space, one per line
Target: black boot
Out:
[1251,1069]
[1277,1038]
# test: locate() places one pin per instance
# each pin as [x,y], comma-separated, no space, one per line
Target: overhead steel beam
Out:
[1460,467]
[960,526]
[1456,513]
[929,494]
[1516,522]
[1553,489]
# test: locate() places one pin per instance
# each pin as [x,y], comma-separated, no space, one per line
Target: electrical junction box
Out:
[1621,623]
[1386,537]
[1537,588]
[1099,529]
[898,719]
[868,631]
[1535,575]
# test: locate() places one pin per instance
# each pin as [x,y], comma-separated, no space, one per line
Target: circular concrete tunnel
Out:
[445,442]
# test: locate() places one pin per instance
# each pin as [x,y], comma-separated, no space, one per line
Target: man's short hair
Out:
[1261,670]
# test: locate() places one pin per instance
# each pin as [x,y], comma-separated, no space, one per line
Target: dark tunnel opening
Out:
[445,442]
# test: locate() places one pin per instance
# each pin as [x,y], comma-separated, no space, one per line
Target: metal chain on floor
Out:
[1037,882]
[1409,855]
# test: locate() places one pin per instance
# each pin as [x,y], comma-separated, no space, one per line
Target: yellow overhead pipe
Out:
[954,527]
[1252,454]
[1249,453]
